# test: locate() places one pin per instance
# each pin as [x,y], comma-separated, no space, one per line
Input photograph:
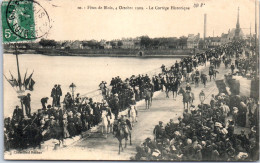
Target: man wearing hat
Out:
[202,96]
[243,138]
[27,104]
[52,122]
[53,95]
[77,99]
[231,128]
[159,132]
[188,87]
[125,124]
[44,101]
[169,128]
[232,68]
[103,87]
[17,114]
[58,94]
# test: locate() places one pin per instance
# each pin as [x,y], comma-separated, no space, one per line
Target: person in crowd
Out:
[17,114]
[44,101]
[188,87]
[215,72]
[103,87]
[58,95]
[212,101]
[65,127]
[236,63]
[159,131]
[211,71]
[54,95]
[202,96]
[78,99]
[225,109]
[204,79]
[242,111]
[68,100]
[27,104]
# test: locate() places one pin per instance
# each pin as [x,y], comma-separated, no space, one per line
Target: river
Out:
[85,72]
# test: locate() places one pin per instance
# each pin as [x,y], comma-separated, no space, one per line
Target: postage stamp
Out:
[23,20]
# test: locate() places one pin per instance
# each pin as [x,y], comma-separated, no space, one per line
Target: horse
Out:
[107,123]
[133,115]
[196,81]
[104,123]
[174,87]
[148,98]
[123,132]
[188,97]
[188,77]
[111,121]
[204,79]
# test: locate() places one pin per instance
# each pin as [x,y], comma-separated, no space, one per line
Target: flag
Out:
[10,81]
[27,81]
[24,78]
[11,75]
[31,84]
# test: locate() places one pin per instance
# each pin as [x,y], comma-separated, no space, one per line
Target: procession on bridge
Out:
[204,132]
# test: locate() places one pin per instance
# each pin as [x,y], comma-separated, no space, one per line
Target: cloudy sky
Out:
[70,23]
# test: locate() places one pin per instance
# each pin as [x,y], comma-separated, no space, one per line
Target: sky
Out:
[70,23]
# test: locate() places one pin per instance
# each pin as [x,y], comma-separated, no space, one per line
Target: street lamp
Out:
[72,89]
[21,95]
[202,97]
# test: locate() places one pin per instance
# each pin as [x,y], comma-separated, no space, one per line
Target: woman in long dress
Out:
[65,125]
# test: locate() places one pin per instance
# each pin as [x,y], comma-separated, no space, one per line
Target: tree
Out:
[113,44]
[84,43]
[119,44]
[47,43]
[155,43]
[183,41]
[92,44]
[145,41]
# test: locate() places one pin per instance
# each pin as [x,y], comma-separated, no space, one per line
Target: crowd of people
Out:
[204,132]
[207,132]
[246,67]
[74,117]
[82,113]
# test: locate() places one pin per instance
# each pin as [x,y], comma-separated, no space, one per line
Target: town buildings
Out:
[193,41]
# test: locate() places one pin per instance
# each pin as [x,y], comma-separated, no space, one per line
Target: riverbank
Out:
[146,53]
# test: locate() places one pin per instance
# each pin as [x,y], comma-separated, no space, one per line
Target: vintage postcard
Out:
[140,80]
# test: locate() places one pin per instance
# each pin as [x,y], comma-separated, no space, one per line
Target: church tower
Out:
[238,29]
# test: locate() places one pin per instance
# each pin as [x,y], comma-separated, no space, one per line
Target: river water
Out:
[85,72]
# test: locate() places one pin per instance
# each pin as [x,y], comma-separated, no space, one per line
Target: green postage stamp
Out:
[23,20]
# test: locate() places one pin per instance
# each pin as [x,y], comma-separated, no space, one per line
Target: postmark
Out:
[24,20]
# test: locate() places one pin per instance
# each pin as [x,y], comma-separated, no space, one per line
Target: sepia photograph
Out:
[131,80]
